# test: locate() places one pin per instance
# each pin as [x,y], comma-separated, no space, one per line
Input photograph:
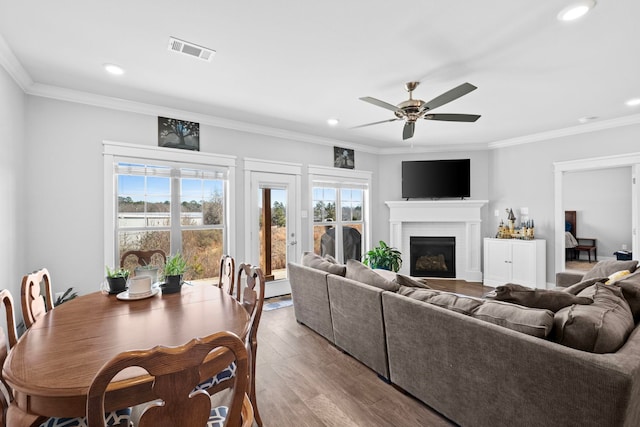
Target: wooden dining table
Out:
[53,364]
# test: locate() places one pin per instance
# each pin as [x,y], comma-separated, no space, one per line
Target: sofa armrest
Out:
[565,278]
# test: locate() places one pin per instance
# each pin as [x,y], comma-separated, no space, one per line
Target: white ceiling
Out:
[293,64]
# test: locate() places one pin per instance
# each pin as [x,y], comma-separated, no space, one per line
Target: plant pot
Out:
[117,284]
[172,284]
[147,271]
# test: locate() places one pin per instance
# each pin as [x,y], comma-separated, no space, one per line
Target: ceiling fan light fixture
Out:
[333,122]
[576,10]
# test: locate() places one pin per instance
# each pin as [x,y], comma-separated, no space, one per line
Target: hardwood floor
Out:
[303,380]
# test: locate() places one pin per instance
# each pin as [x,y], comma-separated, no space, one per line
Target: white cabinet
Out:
[515,261]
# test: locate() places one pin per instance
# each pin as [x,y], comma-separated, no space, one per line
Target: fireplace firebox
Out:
[432,256]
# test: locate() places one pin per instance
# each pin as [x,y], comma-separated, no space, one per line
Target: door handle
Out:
[293,243]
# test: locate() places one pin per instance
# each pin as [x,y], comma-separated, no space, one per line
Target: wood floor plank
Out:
[304,380]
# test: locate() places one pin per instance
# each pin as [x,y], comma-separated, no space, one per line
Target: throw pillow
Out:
[361,273]
[531,321]
[577,287]
[459,303]
[630,286]
[610,266]
[617,276]
[537,298]
[403,280]
[313,260]
[331,259]
[601,327]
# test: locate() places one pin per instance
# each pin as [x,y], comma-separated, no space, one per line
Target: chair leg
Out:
[252,385]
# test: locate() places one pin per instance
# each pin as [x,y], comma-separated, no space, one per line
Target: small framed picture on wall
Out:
[176,133]
[343,158]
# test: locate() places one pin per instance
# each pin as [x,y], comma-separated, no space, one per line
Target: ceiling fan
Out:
[413,109]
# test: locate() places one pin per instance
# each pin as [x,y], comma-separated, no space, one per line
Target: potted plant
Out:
[384,257]
[174,268]
[117,279]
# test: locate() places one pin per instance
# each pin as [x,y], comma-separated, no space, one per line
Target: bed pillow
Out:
[601,327]
[537,298]
[361,273]
[313,260]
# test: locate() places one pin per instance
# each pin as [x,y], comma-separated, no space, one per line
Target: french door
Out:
[274,226]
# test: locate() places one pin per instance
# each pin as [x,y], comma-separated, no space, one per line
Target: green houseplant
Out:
[383,257]
[173,271]
[117,279]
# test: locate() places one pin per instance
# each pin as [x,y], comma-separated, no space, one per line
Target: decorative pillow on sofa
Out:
[403,280]
[610,266]
[617,276]
[313,260]
[537,298]
[361,273]
[630,286]
[454,302]
[576,288]
[601,327]
[531,321]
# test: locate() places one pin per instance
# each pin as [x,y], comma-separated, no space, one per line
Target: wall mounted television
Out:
[435,179]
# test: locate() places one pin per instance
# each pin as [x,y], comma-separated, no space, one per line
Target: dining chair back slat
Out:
[36,301]
[226,279]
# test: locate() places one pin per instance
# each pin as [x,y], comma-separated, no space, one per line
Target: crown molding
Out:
[570,131]
[420,149]
[13,67]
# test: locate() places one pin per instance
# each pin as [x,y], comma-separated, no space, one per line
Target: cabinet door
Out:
[497,260]
[523,257]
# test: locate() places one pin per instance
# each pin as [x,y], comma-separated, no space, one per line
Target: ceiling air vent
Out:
[190,49]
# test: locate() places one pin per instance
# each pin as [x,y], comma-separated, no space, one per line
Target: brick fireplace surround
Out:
[458,218]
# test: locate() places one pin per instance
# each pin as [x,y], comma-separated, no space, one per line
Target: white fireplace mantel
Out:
[458,218]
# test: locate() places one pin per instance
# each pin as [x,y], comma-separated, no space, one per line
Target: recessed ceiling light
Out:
[576,10]
[333,122]
[633,102]
[114,69]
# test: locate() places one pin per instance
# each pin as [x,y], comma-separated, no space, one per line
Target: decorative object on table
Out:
[68,295]
[512,220]
[175,133]
[383,257]
[343,158]
[174,269]
[117,279]
[147,270]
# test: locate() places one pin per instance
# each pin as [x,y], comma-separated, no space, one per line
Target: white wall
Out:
[64,145]
[12,125]
[522,175]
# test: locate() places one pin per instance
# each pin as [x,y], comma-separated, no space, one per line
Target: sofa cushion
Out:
[313,260]
[630,286]
[601,327]
[531,321]
[608,267]
[403,280]
[361,273]
[458,303]
[576,288]
[537,298]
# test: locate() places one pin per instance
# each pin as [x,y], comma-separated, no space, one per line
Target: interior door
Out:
[274,228]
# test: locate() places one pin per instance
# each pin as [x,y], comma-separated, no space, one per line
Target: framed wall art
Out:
[343,158]
[174,133]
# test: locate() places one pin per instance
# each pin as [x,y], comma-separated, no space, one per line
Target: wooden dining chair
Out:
[251,297]
[7,341]
[35,303]
[226,279]
[176,371]
[144,258]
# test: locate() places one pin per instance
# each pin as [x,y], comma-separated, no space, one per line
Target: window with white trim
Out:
[340,213]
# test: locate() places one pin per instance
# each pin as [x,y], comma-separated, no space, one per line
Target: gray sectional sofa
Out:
[468,360]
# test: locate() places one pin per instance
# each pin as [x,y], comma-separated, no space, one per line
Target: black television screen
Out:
[436,179]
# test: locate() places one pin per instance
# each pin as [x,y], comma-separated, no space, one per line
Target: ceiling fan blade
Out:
[375,123]
[449,96]
[453,117]
[409,128]
[379,103]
